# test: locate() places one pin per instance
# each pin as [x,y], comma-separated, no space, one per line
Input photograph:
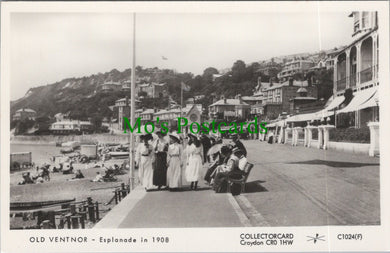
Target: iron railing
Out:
[366,75]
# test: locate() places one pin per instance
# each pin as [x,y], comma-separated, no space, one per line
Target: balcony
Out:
[366,75]
[341,84]
[352,80]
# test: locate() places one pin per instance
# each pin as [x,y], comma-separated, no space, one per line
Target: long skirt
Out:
[140,173]
[160,169]
[194,167]
[174,172]
[147,168]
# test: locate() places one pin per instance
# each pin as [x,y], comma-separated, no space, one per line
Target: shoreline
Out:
[53,139]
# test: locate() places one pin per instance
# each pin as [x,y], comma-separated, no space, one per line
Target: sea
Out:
[40,153]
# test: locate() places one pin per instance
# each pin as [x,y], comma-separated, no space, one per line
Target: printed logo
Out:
[316,238]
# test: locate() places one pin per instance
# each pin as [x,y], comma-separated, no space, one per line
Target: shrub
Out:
[356,135]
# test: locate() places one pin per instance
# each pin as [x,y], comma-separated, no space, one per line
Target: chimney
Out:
[271,82]
[290,81]
[224,100]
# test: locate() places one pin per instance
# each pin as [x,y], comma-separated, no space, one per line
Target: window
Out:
[356,22]
[365,19]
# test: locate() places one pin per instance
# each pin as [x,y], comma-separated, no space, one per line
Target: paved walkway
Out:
[298,186]
[288,186]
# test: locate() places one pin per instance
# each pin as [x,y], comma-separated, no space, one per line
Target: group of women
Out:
[166,163]
[160,162]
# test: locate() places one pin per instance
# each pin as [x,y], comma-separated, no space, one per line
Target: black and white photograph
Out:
[125,120]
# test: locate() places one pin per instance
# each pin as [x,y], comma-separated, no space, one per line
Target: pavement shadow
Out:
[255,186]
[336,164]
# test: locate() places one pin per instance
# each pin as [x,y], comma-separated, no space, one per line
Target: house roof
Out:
[148,111]
[251,98]
[295,83]
[229,101]
[26,110]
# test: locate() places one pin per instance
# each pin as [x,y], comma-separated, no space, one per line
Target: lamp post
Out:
[132,114]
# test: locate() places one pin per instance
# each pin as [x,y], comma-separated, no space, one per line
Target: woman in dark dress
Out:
[160,163]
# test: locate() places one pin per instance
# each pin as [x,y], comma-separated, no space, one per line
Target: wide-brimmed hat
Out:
[147,136]
[192,135]
[175,136]
[159,131]
[237,151]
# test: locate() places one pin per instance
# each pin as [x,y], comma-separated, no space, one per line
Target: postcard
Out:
[195,126]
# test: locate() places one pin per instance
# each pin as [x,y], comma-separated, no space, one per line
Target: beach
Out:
[60,186]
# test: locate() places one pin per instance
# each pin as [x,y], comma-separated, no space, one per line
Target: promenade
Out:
[288,186]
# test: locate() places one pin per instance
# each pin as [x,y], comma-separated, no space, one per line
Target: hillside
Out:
[83,98]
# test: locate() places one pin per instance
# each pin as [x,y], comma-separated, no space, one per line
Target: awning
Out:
[335,102]
[324,113]
[359,99]
[371,102]
[271,125]
[304,117]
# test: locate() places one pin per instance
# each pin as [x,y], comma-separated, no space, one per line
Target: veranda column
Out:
[310,135]
[335,75]
[348,68]
[298,130]
[319,144]
[374,56]
[358,63]
[293,131]
[281,135]
[326,129]
[306,137]
[374,138]
[286,132]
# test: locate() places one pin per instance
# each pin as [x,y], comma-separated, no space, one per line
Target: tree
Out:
[96,121]
[238,71]
[208,74]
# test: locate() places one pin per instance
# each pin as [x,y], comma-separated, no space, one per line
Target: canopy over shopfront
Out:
[326,112]
[361,100]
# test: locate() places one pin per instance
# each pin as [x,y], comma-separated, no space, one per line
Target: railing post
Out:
[68,221]
[46,224]
[75,222]
[82,221]
[97,210]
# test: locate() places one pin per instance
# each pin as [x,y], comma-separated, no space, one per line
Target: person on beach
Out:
[145,162]
[160,165]
[77,175]
[194,161]
[98,178]
[175,151]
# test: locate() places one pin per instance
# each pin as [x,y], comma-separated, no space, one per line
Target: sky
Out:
[48,47]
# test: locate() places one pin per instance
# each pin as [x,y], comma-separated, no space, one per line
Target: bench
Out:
[241,181]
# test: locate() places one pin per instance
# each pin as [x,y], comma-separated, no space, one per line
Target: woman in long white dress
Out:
[145,162]
[194,161]
[175,152]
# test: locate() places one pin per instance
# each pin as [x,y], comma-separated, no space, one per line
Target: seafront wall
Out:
[47,139]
